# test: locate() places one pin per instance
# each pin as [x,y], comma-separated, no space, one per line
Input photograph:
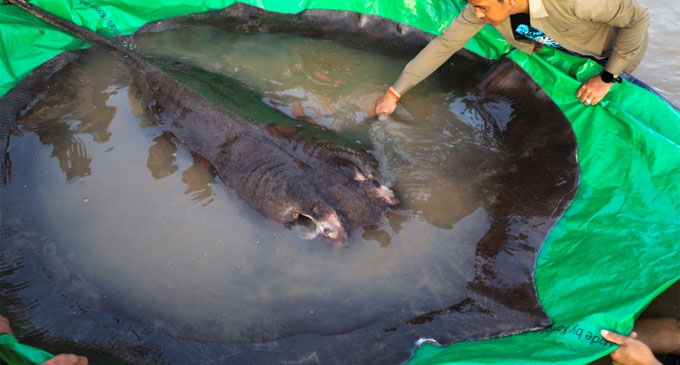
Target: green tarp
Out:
[14,353]
[615,249]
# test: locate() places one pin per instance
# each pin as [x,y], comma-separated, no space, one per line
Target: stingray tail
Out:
[69,27]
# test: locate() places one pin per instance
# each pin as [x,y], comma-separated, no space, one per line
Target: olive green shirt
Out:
[616,29]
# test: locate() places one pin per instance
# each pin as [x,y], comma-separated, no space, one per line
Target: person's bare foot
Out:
[661,334]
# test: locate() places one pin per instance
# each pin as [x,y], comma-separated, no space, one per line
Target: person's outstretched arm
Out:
[440,49]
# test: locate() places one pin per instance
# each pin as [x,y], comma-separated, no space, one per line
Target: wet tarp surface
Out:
[616,247]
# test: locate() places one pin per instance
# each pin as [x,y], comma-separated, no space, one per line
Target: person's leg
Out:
[661,334]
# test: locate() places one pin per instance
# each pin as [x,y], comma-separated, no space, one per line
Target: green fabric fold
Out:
[14,353]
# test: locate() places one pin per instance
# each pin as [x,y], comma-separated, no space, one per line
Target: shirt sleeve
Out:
[631,18]
[463,27]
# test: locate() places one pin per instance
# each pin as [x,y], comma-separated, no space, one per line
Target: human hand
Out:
[631,352]
[593,90]
[66,359]
[4,326]
[386,104]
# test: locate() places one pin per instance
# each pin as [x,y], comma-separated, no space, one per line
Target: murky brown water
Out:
[146,220]
[316,81]
[122,219]
[661,66]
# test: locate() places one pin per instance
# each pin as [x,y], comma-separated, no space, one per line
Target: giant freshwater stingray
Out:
[281,167]
[500,299]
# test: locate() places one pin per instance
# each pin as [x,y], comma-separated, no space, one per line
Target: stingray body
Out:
[283,167]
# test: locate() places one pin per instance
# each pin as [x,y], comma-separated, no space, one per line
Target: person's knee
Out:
[661,334]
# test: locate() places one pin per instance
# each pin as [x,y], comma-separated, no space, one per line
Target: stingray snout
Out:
[386,194]
[326,222]
[332,231]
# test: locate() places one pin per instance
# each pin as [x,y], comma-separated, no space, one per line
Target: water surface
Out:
[661,66]
[112,222]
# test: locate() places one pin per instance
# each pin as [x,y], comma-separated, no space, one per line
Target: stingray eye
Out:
[327,230]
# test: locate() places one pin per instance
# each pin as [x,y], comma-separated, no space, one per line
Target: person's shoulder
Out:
[580,9]
[560,6]
[603,9]
[466,17]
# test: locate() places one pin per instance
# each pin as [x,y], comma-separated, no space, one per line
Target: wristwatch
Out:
[609,78]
